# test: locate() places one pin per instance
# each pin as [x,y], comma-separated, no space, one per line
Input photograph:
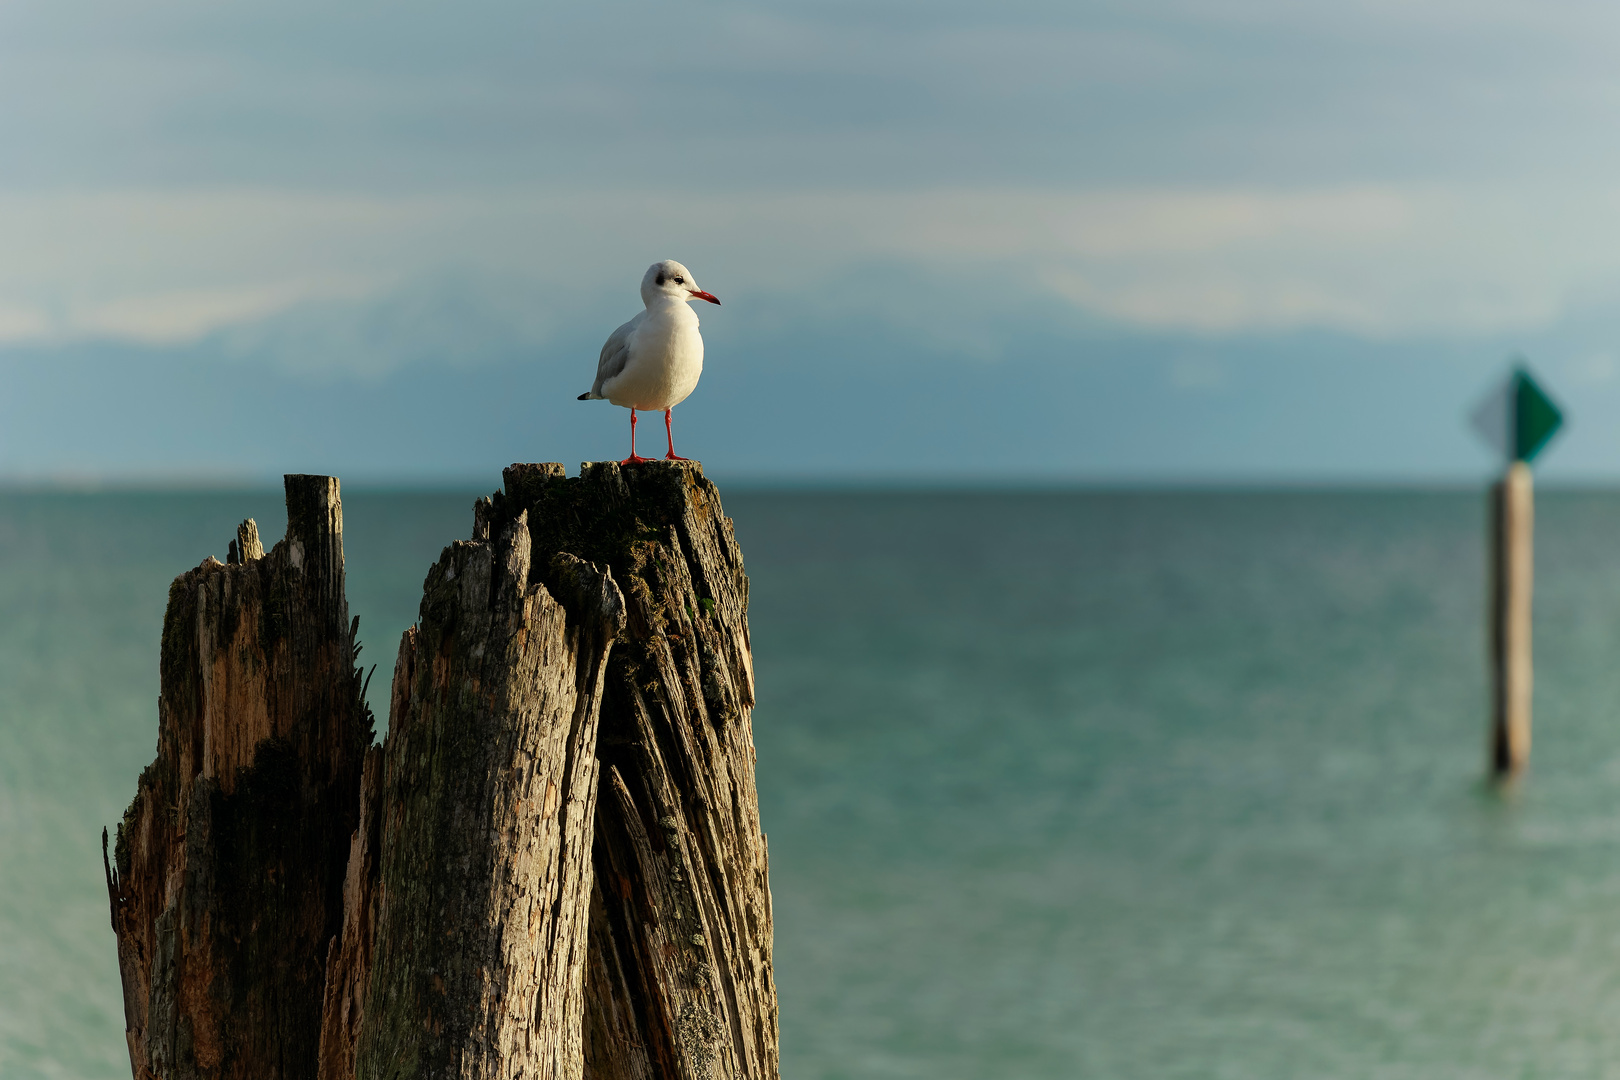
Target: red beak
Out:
[696,295]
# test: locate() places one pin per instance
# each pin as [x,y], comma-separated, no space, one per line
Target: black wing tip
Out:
[584,397]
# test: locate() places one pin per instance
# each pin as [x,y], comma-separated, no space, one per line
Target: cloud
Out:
[392,192]
[173,318]
[735,94]
[445,321]
[176,267]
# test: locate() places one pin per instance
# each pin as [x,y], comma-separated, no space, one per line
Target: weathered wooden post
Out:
[680,981]
[1512,549]
[229,867]
[1518,419]
[463,953]
[551,867]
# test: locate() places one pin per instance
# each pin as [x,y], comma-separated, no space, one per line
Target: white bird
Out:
[653,361]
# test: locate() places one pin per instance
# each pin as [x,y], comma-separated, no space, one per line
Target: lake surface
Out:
[1125,784]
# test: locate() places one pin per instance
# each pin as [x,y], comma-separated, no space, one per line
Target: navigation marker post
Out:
[1518,419]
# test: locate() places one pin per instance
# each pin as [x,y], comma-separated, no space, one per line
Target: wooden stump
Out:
[551,868]
[230,860]
[464,951]
[680,981]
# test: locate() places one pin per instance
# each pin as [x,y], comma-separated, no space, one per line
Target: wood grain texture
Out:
[551,868]
[467,957]
[680,980]
[348,958]
[230,859]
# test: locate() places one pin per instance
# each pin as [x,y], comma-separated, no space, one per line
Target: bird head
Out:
[672,281]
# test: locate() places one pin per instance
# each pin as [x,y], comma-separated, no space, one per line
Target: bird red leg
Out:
[669,431]
[633,459]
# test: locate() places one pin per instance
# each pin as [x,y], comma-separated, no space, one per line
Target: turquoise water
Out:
[1135,785]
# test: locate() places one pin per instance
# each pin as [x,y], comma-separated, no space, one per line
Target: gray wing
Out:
[615,354]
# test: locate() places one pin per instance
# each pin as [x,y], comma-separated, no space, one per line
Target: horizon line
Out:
[210,483]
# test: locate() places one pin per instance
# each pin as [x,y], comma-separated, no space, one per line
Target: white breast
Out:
[665,360]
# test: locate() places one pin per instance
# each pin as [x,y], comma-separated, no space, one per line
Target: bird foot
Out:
[673,456]
[635,459]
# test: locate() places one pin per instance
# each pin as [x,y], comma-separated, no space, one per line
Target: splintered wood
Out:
[551,867]
[485,819]
[680,982]
[229,864]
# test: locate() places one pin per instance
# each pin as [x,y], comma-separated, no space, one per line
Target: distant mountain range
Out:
[446,380]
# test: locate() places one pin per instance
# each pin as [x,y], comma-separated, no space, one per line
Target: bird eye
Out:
[680,281]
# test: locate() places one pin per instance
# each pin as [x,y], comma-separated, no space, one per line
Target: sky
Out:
[1161,241]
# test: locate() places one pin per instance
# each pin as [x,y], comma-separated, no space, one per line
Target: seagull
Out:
[654,360]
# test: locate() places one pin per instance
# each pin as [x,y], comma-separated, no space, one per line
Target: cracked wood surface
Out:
[680,981]
[552,867]
[229,861]
[464,955]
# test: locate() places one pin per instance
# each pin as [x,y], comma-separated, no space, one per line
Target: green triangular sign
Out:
[1535,418]
[1517,417]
